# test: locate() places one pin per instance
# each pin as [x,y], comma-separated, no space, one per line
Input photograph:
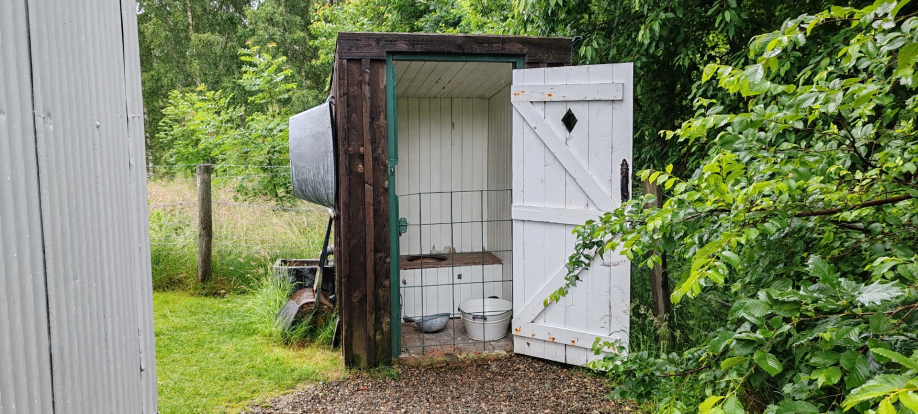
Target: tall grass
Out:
[692,320]
[653,344]
[271,295]
[248,235]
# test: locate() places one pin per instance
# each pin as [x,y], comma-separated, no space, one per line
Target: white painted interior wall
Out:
[443,148]
[458,147]
[499,233]
[444,290]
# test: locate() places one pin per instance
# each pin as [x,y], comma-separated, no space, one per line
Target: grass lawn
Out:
[211,357]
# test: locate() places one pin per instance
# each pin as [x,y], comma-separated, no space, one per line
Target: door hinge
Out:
[626,181]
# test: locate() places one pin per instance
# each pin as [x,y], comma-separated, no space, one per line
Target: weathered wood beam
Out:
[547,51]
[363,203]
[205,222]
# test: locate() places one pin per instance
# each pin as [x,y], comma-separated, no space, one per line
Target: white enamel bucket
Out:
[486,319]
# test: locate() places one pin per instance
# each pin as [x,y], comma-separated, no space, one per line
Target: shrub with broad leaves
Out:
[804,211]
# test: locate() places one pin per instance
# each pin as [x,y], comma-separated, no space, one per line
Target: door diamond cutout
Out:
[569,120]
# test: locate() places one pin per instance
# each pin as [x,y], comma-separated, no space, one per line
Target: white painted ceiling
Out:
[417,79]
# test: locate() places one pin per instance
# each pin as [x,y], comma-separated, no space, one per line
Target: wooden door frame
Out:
[518,62]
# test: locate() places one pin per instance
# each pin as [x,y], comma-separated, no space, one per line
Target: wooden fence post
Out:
[205,222]
[659,280]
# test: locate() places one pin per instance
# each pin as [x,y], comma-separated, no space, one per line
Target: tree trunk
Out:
[659,280]
[190,20]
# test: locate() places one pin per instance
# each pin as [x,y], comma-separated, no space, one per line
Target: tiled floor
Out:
[417,343]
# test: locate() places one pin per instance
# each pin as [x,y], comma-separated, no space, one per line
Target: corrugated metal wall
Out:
[76,325]
[25,365]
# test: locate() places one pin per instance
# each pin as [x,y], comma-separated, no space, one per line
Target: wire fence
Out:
[251,232]
[252,228]
[456,249]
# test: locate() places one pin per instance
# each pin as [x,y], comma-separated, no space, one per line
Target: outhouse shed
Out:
[462,164]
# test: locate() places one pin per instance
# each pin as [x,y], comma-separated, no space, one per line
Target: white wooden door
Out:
[561,178]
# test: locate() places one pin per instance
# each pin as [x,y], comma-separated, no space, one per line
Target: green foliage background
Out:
[193,47]
[669,42]
[188,43]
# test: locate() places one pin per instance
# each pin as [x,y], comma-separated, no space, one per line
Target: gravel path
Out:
[514,384]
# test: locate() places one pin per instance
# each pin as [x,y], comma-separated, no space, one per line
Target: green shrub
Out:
[202,126]
[803,214]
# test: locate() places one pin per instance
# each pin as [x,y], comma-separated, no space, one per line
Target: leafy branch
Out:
[803,213]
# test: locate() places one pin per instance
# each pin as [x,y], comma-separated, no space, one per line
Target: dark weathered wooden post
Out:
[205,222]
[659,280]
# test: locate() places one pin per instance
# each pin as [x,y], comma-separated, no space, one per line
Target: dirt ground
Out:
[515,384]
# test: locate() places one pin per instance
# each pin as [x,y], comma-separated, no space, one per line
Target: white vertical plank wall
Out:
[577,303]
[531,159]
[622,135]
[457,128]
[555,192]
[457,147]
[462,146]
[443,147]
[469,161]
[477,281]
[499,241]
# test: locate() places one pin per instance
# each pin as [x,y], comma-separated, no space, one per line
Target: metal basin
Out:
[430,323]
[312,157]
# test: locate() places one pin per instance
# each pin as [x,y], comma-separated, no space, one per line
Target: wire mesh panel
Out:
[456,253]
[252,228]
